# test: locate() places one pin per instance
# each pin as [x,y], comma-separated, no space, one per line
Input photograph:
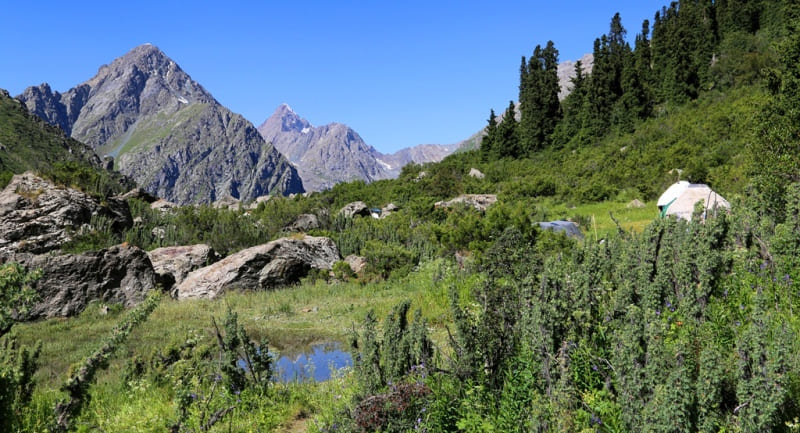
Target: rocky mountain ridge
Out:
[333,153]
[166,131]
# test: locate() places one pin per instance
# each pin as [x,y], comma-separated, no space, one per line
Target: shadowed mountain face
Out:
[333,153]
[166,131]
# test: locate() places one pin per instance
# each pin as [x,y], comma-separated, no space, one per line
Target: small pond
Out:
[322,362]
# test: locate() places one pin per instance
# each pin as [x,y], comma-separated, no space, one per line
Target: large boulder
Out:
[173,264]
[478,201]
[277,263]
[120,274]
[37,216]
[355,208]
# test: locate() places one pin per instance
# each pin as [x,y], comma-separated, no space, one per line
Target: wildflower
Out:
[594,367]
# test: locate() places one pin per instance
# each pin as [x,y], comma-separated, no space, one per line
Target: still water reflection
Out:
[320,364]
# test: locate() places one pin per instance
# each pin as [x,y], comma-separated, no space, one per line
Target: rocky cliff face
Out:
[333,153]
[166,131]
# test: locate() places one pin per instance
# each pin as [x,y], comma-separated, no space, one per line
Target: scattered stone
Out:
[357,263]
[158,232]
[568,227]
[635,203]
[304,223]
[163,205]
[474,172]
[138,193]
[278,263]
[355,208]
[478,201]
[258,201]
[389,209]
[227,202]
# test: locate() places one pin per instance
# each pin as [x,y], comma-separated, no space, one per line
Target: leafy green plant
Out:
[16,295]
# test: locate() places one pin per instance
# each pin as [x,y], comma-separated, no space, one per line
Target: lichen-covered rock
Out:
[175,263]
[37,216]
[69,282]
[277,263]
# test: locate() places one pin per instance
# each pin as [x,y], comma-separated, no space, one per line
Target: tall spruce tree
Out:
[538,96]
[611,54]
[488,142]
[507,140]
[568,130]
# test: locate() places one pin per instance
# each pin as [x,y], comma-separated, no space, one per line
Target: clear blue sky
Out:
[400,73]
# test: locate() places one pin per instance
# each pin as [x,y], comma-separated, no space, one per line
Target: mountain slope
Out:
[166,131]
[29,143]
[333,153]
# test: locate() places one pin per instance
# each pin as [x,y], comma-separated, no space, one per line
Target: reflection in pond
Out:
[315,365]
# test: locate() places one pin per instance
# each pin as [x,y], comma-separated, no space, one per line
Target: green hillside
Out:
[29,143]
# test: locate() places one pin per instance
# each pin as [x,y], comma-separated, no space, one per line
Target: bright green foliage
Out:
[16,296]
[664,331]
[17,367]
[29,143]
[776,152]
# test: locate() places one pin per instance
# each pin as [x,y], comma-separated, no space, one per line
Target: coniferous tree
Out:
[488,142]
[568,130]
[538,95]
[611,53]
[507,141]
[683,41]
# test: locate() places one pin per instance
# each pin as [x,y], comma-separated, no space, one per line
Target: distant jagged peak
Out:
[284,119]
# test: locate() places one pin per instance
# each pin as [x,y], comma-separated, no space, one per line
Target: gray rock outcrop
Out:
[277,263]
[173,264]
[303,223]
[69,282]
[350,210]
[478,201]
[37,216]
